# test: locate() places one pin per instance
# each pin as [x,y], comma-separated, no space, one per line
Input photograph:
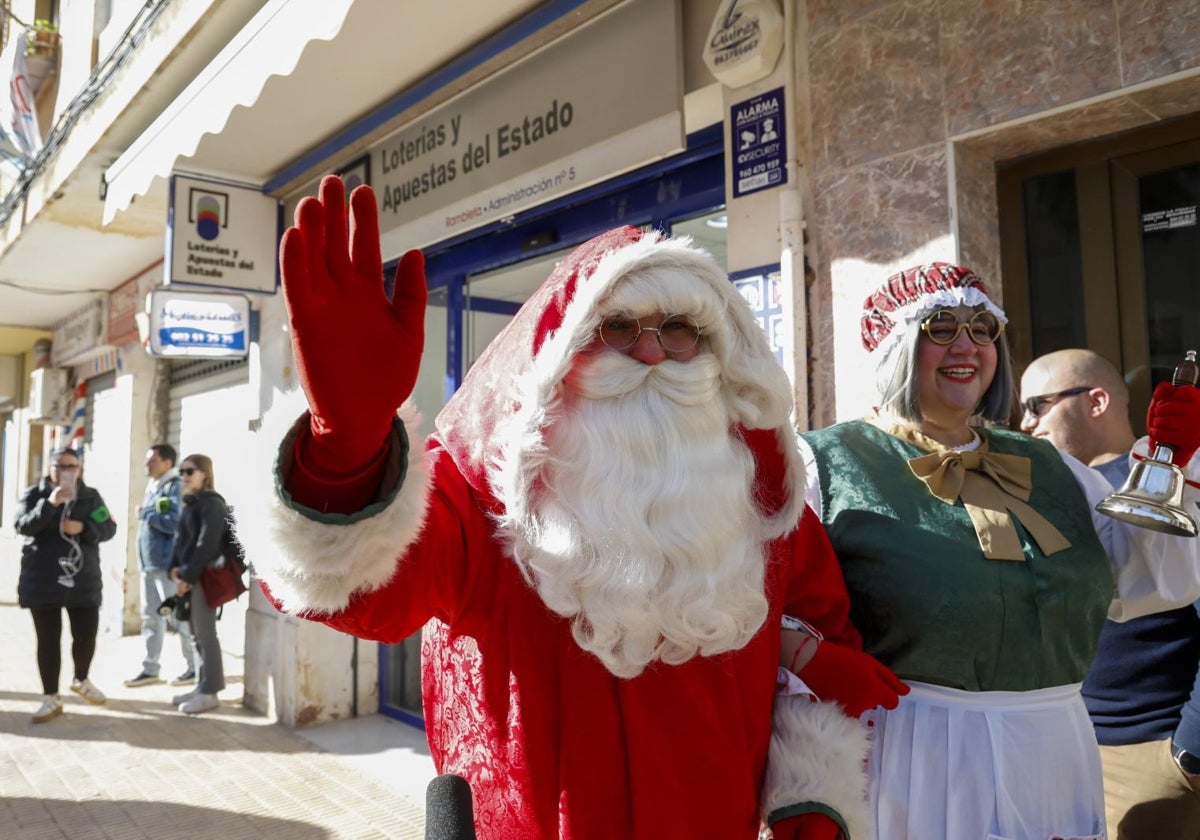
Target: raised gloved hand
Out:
[357,353]
[811,826]
[1173,420]
[856,680]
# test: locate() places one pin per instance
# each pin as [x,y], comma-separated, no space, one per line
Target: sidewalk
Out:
[136,768]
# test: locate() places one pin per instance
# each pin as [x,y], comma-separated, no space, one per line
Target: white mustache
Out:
[609,374]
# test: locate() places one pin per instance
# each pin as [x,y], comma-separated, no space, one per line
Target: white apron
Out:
[986,765]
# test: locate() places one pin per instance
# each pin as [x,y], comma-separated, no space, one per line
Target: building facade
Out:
[814,147]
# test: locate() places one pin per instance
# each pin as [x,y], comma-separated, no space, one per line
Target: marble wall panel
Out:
[896,85]
[1003,59]
[822,394]
[876,88]
[1180,97]
[867,223]
[825,15]
[1062,128]
[977,226]
[1158,38]
[881,210]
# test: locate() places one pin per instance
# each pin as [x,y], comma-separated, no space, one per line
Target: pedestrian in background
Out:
[200,543]
[158,521]
[63,522]
[1142,690]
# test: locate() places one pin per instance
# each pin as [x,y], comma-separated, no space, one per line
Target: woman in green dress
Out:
[980,573]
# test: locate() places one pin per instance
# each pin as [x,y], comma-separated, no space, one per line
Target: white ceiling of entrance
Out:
[517,282]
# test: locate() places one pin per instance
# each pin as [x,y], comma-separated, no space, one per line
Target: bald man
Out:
[1143,690]
[1078,401]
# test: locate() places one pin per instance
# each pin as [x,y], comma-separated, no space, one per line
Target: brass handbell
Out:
[1152,497]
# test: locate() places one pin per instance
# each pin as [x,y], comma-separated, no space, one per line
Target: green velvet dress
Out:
[994,740]
[927,602]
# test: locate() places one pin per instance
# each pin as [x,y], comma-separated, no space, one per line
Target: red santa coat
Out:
[552,743]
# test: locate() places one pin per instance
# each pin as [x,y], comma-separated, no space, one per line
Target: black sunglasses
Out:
[1035,406]
[188,470]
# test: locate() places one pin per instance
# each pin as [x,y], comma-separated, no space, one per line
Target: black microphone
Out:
[448,813]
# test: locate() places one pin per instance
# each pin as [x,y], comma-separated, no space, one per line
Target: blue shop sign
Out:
[198,324]
[758,144]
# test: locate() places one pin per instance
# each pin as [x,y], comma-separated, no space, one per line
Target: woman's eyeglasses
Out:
[676,333]
[187,470]
[1036,406]
[943,327]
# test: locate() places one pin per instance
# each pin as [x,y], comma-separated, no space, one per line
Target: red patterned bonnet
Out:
[907,297]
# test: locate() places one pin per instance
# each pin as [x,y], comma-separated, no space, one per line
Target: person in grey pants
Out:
[198,544]
[158,521]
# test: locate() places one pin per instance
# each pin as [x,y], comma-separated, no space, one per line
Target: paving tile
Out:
[136,769]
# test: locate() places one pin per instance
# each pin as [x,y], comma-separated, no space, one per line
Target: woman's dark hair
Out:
[898,394]
[66,450]
[204,464]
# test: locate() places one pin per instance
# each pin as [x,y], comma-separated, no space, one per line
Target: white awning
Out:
[271,44]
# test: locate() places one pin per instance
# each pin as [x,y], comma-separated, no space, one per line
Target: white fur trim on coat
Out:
[313,566]
[818,754]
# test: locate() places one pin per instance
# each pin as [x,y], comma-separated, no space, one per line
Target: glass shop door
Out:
[1100,248]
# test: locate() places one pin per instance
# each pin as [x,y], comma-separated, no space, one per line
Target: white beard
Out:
[647,535]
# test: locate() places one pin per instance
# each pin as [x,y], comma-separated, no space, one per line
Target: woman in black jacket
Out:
[63,522]
[198,544]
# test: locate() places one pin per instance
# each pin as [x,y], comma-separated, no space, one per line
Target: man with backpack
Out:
[158,523]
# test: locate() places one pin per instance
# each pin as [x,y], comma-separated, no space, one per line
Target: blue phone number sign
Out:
[196,338]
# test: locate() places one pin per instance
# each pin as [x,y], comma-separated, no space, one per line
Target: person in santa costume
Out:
[980,572]
[600,539]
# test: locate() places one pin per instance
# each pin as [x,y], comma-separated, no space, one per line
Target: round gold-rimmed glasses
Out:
[943,327]
[676,333]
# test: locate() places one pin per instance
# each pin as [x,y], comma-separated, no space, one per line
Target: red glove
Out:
[856,680]
[1173,420]
[810,826]
[357,353]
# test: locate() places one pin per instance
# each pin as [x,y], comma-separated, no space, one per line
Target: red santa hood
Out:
[492,427]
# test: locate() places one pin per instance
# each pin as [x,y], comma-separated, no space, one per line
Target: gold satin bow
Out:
[992,486]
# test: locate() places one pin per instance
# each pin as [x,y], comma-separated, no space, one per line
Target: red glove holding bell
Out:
[856,680]
[1173,420]
[357,353]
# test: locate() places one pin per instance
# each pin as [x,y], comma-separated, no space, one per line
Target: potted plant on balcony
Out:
[42,40]
[42,57]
